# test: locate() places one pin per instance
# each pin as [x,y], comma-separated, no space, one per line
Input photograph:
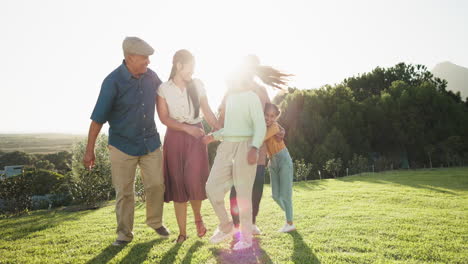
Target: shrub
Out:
[358,164]
[302,170]
[333,166]
[44,164]
[29,190]
[16,193]
[44,181]
[89,188]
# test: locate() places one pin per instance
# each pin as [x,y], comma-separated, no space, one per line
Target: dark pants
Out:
[257,193]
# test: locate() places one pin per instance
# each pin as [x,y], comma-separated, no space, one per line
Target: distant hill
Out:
[456,76]
[38,143]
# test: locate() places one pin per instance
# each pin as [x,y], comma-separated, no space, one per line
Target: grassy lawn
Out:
[394,217]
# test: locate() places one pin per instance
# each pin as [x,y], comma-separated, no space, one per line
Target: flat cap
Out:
[137,46]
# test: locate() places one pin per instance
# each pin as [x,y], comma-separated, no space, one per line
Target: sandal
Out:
[201,230]
[181,239]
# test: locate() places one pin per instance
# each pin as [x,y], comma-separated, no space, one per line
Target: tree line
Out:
[390,118]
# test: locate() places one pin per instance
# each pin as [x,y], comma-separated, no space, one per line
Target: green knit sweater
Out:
[244,119]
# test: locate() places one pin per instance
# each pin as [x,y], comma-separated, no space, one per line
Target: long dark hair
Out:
[251,68]
[184,56]
[271,76]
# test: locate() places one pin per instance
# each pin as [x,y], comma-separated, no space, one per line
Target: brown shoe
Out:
[201,230]
[163,232]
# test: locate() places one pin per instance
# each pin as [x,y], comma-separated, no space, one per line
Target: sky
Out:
[56,53]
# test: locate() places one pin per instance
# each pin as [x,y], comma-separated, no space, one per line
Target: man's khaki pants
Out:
[230,167]
[123,169]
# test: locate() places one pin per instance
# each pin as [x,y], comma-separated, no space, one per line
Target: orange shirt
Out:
[273,146]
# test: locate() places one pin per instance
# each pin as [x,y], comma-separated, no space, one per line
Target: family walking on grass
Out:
[179,172]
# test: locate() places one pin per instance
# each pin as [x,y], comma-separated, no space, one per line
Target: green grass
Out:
[394,217]
[38,143]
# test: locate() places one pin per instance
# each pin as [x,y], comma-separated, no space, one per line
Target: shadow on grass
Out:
[19,227]
[444,181]
[139,252]
[253,255]
[170,255]
[302,253]
[188,256]
[106,255]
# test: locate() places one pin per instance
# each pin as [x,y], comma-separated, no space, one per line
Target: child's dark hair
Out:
[270,106]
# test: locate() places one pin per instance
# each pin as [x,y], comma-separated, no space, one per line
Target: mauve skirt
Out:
[186,166]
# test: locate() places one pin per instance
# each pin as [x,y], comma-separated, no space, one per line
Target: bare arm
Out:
[209,116]
[163,113]
[89,157]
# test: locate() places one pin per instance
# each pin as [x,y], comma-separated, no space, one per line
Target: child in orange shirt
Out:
[280,167]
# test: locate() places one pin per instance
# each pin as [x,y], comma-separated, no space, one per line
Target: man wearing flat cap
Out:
[127,101]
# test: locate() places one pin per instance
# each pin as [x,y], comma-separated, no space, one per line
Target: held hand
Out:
[252,156]
[194,131]
[89,159]
[207,139]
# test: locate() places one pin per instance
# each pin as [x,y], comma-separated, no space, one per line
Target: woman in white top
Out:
[180,104]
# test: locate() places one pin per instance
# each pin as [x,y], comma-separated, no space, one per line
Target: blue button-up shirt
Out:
[128,104]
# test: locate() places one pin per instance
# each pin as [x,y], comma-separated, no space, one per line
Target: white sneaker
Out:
[242,245]
[219,236]
[282,228]
[287,228]
[256,230]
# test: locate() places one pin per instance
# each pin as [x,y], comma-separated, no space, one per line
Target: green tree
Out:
[390,114]
[429,149]
[335,143]
[16,158]
[358,164]
[451,148]
[61,160]
[44,164]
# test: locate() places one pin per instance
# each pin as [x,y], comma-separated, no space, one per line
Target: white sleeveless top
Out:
[178,101]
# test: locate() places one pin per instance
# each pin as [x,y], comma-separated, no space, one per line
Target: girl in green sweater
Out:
[236,158]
